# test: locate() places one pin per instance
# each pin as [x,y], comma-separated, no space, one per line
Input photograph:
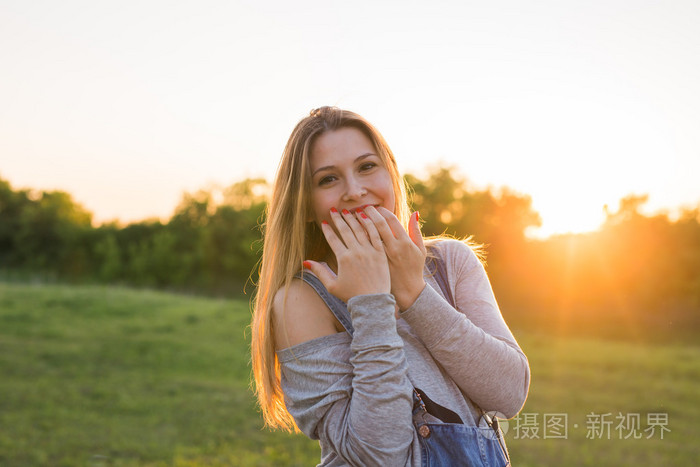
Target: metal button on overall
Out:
[424,431]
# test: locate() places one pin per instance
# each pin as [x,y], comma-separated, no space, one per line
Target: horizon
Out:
[216,192]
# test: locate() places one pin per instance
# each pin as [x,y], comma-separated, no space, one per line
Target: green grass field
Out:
[103,376]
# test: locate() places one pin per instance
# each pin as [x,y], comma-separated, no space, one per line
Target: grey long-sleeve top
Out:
[354,394]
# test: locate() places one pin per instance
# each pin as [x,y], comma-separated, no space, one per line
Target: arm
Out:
[374,425]
[473,342]
[354,394]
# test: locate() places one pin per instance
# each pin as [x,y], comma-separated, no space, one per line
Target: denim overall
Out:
[442,444]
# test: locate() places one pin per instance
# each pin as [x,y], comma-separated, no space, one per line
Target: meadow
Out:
[110,376]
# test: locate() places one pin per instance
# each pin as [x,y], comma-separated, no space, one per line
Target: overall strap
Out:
[336,305]
[439,271]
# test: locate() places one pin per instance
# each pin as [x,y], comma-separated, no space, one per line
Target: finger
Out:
[414,232]
[357,228]
[396,228]
[370,229]
[385,231]
[334,242]
[346,233]
[322,271]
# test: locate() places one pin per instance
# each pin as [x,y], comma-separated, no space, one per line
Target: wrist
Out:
[405,299]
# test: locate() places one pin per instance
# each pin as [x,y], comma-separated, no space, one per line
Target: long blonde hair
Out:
[289,239]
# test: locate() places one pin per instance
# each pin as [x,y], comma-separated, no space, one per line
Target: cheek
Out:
[322,203]
[388,193]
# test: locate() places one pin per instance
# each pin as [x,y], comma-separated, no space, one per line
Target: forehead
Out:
[336,146]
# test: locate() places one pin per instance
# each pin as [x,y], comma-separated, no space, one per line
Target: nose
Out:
[354,189]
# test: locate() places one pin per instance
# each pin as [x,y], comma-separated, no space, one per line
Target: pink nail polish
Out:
[334,210]
[307,265]
[324,222]
[346,212]
[362,214]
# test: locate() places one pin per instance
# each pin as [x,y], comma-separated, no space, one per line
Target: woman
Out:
[365,336]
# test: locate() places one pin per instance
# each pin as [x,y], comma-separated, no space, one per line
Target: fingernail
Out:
[362,213]
[346,212]
[417,215]
[307,265]
[334,210]
[324,222]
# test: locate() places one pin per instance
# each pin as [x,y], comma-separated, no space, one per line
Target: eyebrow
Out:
[329,167]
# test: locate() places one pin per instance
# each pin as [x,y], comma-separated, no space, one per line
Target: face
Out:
[347,173]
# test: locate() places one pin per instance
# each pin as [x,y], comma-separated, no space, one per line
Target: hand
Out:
[363,267]
[404,250]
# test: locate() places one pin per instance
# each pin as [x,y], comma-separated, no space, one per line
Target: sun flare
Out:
[562,216]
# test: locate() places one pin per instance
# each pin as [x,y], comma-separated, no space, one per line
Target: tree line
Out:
[204,247]
[637,276]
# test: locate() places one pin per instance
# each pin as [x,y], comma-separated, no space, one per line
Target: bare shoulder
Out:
[301,316]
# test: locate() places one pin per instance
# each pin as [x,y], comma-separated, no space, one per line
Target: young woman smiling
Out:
[385,347]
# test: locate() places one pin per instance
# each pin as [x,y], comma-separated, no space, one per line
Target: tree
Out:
[448,205]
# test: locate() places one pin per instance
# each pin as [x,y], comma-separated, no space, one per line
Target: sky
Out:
[129,104]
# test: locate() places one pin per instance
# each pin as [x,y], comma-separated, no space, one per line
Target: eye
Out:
[326,180]
[367,166]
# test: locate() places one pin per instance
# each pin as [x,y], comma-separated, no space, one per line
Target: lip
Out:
[363,207]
